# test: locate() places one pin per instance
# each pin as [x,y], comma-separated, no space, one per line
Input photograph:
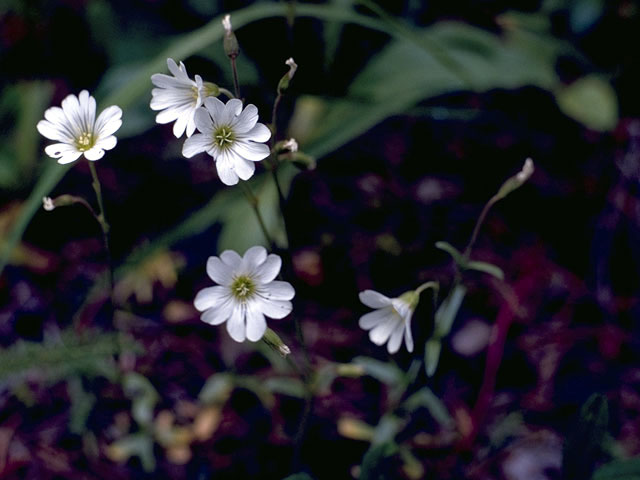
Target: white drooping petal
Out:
[79,132]
[195,144]
[381,332]
[236,323]
[374,299]
[178,96]
[277,290]
[256,323]
[208,297]
[246,293]
[393,345]
[372,319]
[269,269]
[219,271]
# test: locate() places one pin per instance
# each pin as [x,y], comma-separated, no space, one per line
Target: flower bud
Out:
[230,41]
[210,89]
[47,204]
[272,339]
[286,146]
[517,180]
[283,85]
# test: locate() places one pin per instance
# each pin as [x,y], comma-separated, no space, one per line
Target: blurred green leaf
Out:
[628,469]
[457,256]
[432,355]
[384,372]
[485,267]
[81,404]
[216,389]
[584,14]
[427,399]
[387,428]
[137,445]
[292,387]
[584,443]
[374,462]
[590,100]
[143,395]
[446,313]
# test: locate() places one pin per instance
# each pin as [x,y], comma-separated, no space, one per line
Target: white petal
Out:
[181,124]
[69,157]
[231,110]
[244,168]
[107,143]
[93,154]
[269,269]
[209,297]
[408,337]
[236,323]
[76,121]
[373,299]
[256,324]
[203,120]
[225,169]
[87,107]
[219,271]
[219,313]
[246,120]
[381,332]
[231,258]
[259,133]
[273,308]
[109,121]
[191,126]
[253,258]
[396,338]
[58,150]
[372,319]
[195,144]
[215,108]
[277,290]
[54,131]
[251,151]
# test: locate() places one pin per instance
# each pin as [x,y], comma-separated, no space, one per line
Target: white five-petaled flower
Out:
[232,136]
[178,97]
[76,128]
[246,293]
[390,321]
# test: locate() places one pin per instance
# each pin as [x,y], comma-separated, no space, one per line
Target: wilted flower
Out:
[76,128]
[232,136]
[391,320]
[246,293]
[178,97]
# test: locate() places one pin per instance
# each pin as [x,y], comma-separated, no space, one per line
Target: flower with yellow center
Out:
[245,294]
[232,136]
[78,131]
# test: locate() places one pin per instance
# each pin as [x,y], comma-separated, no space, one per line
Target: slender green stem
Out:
[234,70]
[104,225]
[476,229]
[226,92]
[274,115]
[254,202]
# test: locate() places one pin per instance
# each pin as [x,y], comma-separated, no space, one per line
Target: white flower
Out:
[178,97]
[390,321]
[246,293]
[226,24]
[232,136]
[76,128]
[47,204]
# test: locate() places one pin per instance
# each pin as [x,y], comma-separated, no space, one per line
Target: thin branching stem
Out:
[254,202]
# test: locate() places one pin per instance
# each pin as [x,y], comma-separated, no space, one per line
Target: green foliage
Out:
[464,263]
[68,355]
[427,399]
[628,469]
[144,398]
[374,464]
[590,100]
[584,442]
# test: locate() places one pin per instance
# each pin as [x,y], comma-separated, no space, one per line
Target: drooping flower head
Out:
[391,321]
[178,97]
[232,136]
[78,131]
[245,293]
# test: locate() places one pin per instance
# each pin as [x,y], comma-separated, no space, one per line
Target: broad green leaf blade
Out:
[454,252]
[485,267]
[590,100]
[628,469]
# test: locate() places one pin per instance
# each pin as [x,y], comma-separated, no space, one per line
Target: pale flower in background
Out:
[245,294]
[178,97]
[232,136]
[391,321]
[79,132]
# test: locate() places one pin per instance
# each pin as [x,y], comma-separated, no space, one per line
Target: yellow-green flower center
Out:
[224,137]
[85,141]
[243,287]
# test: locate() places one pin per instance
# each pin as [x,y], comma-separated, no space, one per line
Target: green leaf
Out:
[454,252]
[446,313]
[292,387]
[216,389]
[374,462]
[485,267]
[584,442]
[384,372]
[427,399]
[137,445]
[432,355]
[143,395]
[590,100]
[628,469]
